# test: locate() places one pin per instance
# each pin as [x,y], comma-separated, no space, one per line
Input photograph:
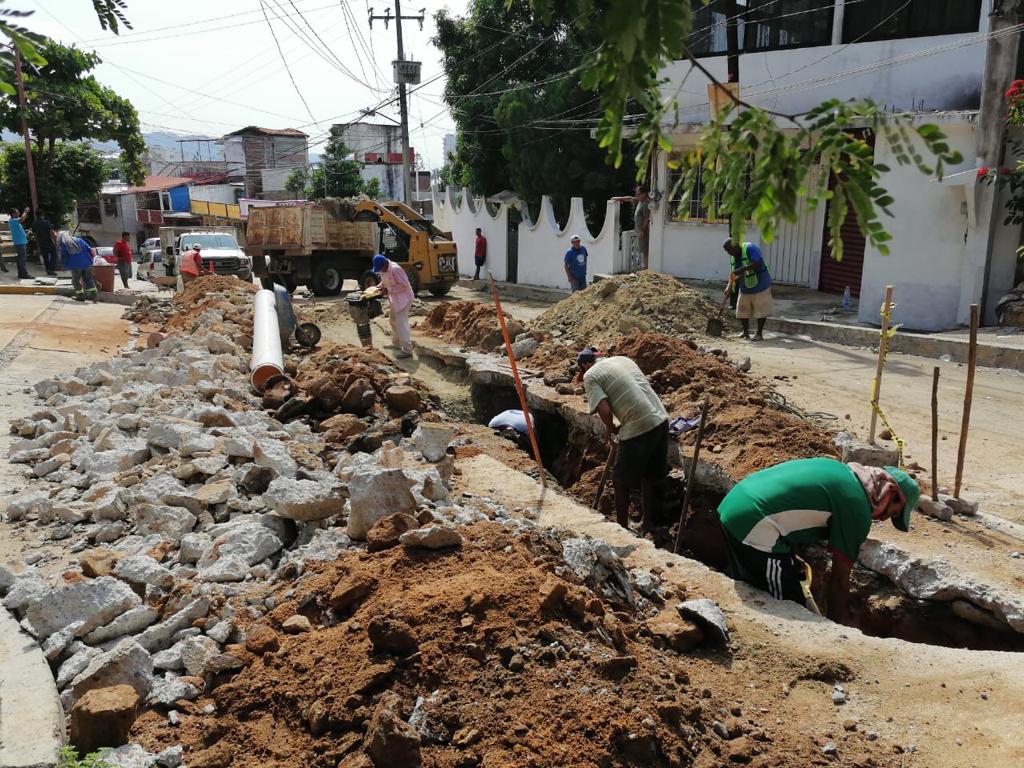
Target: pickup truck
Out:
[218,246]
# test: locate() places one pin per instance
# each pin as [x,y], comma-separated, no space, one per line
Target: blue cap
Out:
[378,262]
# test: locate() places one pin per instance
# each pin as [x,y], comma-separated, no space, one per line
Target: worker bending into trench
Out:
[617,389]
[807,501]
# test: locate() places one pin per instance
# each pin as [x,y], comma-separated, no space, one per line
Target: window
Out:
[110,206]
[209,242]
[89,212]
[771,24]
[708,35]
[890,19]
[694,209]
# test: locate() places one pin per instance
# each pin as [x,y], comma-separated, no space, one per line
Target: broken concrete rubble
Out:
[93,602]
[376,493]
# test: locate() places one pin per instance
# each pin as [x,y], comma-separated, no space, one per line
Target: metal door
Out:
[512,246]
[837,276]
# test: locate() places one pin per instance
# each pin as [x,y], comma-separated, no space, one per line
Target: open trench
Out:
[879,607]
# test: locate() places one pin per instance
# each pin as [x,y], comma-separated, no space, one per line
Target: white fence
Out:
[532,252]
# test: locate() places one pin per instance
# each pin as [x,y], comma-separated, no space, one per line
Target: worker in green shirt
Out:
[807,501]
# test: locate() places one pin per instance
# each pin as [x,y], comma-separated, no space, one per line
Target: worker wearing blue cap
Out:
[395,285]
[768,514]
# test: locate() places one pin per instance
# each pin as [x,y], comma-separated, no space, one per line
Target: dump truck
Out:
[322,244]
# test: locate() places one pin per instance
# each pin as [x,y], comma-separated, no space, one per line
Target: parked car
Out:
[107,253]
[151,244]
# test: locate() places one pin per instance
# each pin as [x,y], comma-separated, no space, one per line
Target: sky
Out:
[211,67]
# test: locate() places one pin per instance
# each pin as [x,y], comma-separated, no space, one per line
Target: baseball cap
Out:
[574,237]
[911,494]
[378,262]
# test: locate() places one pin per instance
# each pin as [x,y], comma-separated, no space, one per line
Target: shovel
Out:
[612,451]
[715,323]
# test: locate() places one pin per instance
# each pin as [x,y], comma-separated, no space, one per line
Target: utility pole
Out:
[404,73]
[29,167]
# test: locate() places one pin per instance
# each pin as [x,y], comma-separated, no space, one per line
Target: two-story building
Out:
[931,60]
[263,159]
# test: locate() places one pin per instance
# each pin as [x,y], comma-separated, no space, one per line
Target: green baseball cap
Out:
[910,492]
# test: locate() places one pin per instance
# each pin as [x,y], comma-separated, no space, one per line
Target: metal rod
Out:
[684,514]
[972,360]
[519,384]
[935,433]
[883,345]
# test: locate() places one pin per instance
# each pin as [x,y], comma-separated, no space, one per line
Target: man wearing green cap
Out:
[808,501]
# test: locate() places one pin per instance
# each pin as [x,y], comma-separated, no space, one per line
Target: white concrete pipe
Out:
[266,340]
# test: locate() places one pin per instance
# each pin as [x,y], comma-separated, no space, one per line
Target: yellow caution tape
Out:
[886,313]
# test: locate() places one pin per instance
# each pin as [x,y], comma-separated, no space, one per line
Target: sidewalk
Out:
[41,283]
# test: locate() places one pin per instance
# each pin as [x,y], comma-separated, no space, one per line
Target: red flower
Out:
[982,172]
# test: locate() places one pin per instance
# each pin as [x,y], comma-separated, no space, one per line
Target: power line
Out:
[285,61]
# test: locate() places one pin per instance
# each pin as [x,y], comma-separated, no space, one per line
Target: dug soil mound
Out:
[646,301]
[745,432]
[228,298]
[469,324]
[478,656]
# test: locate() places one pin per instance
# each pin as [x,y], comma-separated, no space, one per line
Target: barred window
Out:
[708,35]
[774,24]
[694,210]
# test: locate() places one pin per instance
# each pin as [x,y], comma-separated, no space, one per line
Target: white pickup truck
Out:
[218,247]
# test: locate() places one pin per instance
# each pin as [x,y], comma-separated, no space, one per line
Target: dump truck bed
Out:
[307,228]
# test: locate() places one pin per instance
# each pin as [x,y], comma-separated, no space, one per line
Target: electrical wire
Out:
[284,61]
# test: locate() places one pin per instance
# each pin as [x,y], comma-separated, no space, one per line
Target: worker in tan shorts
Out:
[749,274]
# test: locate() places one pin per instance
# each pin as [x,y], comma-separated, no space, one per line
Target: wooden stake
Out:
[972,359]
[519,384]
[883,345]
[684,514]
[935,434]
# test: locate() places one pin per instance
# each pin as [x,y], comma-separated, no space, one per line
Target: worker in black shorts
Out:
[616,387]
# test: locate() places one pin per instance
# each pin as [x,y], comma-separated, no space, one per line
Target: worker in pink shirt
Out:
[395,285]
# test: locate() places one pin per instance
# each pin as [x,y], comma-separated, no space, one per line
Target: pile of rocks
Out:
[179,496]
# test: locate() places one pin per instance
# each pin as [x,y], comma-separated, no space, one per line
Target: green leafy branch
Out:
[754,169]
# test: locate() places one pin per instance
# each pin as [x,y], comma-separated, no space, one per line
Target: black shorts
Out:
[644,457]
[778,575]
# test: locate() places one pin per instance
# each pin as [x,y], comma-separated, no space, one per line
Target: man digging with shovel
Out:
[617,389]
[748,272]
[807,501]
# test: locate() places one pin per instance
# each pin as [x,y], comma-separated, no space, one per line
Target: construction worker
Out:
[77,255]
[616,387]
[192,265]
[749,273]
[769,513]
[395,285]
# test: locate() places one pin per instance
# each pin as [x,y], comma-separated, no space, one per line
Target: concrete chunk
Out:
[376,493]
[127,663]
[431,537]
[171,523]
[28,502]
[159,636]
[94,602]
[305,500]
[128,623]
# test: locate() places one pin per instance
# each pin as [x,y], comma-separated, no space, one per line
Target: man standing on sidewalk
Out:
[44,242]
[20,241]
[123,254]
[576,265]
[395,285]
[749,273]
[480,253]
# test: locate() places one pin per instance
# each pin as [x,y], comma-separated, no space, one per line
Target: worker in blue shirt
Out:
[748,272]
[20,242]
[576,265]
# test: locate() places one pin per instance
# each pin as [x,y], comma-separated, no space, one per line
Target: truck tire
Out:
[286,280]
[369,279]
[440,290]
[327,277]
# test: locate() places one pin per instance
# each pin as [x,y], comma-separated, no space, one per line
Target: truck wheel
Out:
[440,290]
[369,279]
[327,278]
[286,280]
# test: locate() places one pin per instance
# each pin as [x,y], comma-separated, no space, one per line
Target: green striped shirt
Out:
[805,501]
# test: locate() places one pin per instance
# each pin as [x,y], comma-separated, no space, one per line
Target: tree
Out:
[296,182]
[336,176]
[372,188]
[753,170]
[522,119]
[74,171]
[65,103]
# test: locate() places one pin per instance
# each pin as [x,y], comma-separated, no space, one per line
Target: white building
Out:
[263,158]
[378,147]
[934,59]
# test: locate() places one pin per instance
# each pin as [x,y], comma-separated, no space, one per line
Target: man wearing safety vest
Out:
[749,273]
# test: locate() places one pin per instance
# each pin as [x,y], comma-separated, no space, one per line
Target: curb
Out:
[31,717]
[989,355]
[44,290]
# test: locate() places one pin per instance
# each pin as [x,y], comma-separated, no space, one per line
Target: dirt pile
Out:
[469,324]
[645,301]
[478,656]
[214,298]
[356,396]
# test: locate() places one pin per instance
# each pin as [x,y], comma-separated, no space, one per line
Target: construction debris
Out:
[469,324]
